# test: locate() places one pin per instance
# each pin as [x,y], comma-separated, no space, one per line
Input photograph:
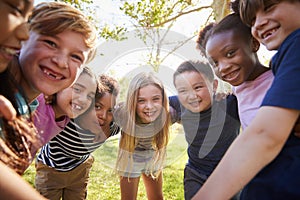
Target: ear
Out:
[255,45]
[215,85]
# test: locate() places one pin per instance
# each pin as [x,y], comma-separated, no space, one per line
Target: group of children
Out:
[259,163]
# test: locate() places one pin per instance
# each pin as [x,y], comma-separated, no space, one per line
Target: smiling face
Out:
[76,99]
[272,25]
[13,17]
[51,63]
[98,118]
[194,91]
[234,57]
[149,103]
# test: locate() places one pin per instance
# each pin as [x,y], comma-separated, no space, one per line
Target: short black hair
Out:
[202,67]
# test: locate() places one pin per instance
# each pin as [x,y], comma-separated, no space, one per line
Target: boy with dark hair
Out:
[210,125]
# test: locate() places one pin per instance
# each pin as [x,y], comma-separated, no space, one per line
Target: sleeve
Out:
[232,107]
[175,109]
[284,91]
[114,129]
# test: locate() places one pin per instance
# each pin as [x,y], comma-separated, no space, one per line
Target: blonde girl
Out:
[144,119]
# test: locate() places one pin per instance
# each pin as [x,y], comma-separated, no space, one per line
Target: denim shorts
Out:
[142,164]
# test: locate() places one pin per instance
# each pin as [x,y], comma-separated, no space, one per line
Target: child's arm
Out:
[13,187]
[256,147]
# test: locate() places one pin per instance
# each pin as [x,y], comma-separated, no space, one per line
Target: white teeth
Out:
[194,103]
[10,50]
[149,113]
[269,33]
[46,72]
[76,107]
[50,74]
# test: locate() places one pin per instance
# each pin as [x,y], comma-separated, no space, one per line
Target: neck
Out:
[257,71]
[59,115]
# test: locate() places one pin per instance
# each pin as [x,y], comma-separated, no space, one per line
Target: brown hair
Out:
[249,8]
[52,18]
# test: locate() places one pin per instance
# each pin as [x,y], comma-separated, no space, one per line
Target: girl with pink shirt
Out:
[231,47]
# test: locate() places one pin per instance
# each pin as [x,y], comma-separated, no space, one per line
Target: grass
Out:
[104,184]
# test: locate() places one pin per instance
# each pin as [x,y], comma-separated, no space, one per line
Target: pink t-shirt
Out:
[250,95]
[44,120]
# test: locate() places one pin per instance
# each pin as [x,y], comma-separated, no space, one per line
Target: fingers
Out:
[49,99]
[6,109]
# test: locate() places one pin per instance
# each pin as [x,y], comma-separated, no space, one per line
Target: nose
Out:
[148,105]
[60,59]
[22,32]
[260,20]
[223,67]
[82,98]
[101,114]
[192,94]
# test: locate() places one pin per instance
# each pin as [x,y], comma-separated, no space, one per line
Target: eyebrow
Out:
[80,85]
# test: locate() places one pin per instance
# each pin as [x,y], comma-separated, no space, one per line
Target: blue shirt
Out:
[281,178]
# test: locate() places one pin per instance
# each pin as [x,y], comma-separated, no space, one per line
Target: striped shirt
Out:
[71,147]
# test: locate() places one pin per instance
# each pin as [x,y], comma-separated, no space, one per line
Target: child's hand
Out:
[6,109]
[49,99]
[221,95]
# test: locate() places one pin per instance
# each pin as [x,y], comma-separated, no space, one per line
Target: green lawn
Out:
[104,184]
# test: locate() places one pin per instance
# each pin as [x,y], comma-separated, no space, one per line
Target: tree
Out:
[104,31]
[150,16]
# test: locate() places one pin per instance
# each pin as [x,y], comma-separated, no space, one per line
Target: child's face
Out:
[194,91]
[234,58]
[75,100]
[13,17]
[99,119]
[51,63]
[272,25]
[149,103]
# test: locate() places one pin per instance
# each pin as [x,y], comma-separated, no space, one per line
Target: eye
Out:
[111,110]
[156,99]
[230,53]
[91,96]
[97,107]
[76,89]
[140,100]
[77,57]
[183,91]
[269,5]
[199,87]
[16,8]
[50,43]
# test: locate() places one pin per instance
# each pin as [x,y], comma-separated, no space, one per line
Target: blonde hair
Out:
[52,18]
[128,139]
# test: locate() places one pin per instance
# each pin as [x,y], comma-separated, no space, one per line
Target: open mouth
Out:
[53,74]
[231,76]
[150,114]
[76,107]
[9,51]
[195,103]
[268,33]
